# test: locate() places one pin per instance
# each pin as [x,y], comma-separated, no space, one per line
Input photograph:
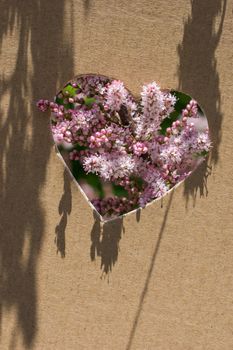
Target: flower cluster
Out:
[116,95]
[140,148]
[156,106]
[109,166]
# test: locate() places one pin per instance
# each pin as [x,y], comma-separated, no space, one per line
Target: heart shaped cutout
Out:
[125,152]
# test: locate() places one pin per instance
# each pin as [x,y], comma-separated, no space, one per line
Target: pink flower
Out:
[202,142]
[113,206]
[116,95]
[169,103]
[62,133]
[109,166]
[43,105]
[153,107]
[190,110]
[152,191]
[122,142]
[74,155]
[139,148]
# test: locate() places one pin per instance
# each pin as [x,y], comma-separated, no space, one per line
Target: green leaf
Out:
[167,122]
[201,154]
[91,179]
[79,148]
[138,181]
[69,88]
[69,106]
[59,101]
[94,181]
[181,100]
[89,101]
[119,191]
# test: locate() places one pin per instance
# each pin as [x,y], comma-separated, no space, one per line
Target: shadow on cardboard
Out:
[198,77]
[64,209]
[25,144]
[105,238]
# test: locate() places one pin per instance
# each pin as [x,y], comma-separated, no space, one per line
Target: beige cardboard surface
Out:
[161,279]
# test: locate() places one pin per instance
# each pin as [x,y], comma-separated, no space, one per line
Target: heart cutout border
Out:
[43,105]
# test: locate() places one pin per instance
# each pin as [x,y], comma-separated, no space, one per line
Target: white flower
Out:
[110,165]
[116,95]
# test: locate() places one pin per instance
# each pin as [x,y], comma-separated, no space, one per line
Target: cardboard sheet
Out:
[160,278]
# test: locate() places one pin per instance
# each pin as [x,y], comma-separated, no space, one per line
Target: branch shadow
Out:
[198,76]
[40,30]
[105,238]
[149,275]
[86,4]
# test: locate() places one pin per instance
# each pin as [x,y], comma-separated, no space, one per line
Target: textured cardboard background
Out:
[167,277]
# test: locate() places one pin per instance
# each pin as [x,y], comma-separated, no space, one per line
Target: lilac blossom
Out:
[191,109]
[116,95]
[109,166]
[140,148]
[43,105]
[153,190]
[169,103]
[156,106]
[62,132]
[123,141]
[113,206]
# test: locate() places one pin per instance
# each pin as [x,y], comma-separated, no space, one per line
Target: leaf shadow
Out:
[64,209]
[105,238]
[35,28]
[198,76]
